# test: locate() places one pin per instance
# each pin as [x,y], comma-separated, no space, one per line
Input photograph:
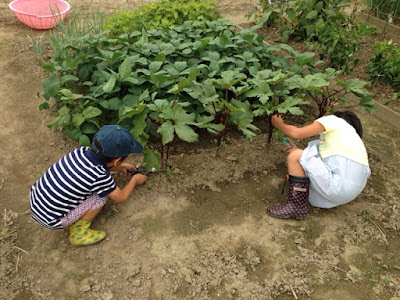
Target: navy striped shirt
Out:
[68,183]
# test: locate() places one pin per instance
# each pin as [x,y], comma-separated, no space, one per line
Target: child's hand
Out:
[276,120]
[139,179]
[288,144]
[124,168]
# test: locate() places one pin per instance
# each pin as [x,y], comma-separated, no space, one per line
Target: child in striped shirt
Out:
[74,189]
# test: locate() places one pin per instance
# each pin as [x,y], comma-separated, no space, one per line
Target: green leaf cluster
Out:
[161,14]
[171,84]
[385,65]
[320,22]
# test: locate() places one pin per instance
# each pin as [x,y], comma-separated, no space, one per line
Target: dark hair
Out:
[104,158]
[352,119]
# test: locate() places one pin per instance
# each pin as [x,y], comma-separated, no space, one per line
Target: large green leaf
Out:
[354,85]
[138,126]
[152,159]
[90,128]
[155,66]
[77,120]
[186,133]
[109,86]
[84,140]
[111,104]
[230,78]
[291,14]
[125,69]
[67,78]
[181,85]
[291,105]
[180,116]
[180,65]
[91,112]
[167,132]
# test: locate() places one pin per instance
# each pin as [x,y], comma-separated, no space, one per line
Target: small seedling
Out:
[223,144]
[371,273]
[170,173]
[396,267]
[356,276]
[373,278]
[149,185]
[3,234]
[195,180]
[386,279]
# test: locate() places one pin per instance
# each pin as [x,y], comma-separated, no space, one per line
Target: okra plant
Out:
[165,85]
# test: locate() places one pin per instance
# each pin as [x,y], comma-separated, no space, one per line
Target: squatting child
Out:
[331,171]
[74,189]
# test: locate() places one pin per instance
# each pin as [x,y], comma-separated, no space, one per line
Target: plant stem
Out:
[336,92]
[167,154]
[152,122]
[215,110]
[219,139]
[162,154]
[271,127]
[173,102]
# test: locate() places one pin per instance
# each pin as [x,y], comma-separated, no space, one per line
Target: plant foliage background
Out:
[175,82]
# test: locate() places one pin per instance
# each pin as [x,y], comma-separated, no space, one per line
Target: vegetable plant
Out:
[161,14]
[328,97]
[165,85]
[385,65]
[320,22]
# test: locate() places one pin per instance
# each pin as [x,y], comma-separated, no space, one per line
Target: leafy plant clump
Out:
[385,65]
[320,22]
[168,84]
[162,14]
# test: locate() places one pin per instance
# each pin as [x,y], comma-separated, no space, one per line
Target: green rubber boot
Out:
[81,234]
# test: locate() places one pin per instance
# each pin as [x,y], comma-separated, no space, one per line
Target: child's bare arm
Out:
[294,132]
[120,195]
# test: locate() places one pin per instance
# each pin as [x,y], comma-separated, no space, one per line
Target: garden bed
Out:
[202,235]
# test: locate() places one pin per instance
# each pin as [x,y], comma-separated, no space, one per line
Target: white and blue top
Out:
[337,164]
[68,183]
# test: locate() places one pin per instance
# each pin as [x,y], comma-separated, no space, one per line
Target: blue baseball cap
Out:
[115,142]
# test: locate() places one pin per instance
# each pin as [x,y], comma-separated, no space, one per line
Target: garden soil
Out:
[201,233]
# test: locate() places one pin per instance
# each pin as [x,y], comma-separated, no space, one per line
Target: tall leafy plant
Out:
[169,85]
[385,64]
[160,15]
[320,22]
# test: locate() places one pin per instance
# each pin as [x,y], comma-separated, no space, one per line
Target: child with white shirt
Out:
[331,171]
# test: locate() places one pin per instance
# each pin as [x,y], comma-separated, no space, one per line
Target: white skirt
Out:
[335,180]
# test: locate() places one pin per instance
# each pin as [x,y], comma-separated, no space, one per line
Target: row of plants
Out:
[161,14]
[168,84]
[321,23]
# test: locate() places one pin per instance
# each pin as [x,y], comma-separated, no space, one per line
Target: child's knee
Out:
[294,156]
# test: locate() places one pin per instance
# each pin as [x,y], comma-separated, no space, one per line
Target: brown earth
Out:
[205,235]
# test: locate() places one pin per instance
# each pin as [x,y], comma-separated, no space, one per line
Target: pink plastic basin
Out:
[40,14]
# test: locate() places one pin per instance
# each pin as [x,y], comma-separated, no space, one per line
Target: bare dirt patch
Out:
[205,235]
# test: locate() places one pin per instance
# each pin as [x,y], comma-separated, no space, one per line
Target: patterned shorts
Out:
[92,202]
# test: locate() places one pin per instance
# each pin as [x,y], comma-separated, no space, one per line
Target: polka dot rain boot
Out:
[296,206]
[81,234]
